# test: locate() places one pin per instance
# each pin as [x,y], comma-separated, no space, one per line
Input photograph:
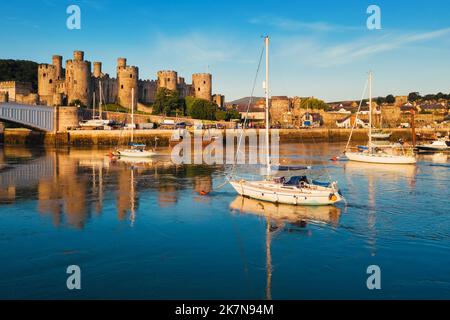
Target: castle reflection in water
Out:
[71,185]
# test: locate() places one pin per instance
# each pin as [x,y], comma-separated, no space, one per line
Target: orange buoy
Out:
[203,193]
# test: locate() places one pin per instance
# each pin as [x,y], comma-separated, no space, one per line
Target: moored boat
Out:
[297,190]
[437,145]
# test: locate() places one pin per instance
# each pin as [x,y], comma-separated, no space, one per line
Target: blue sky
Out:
[318,48]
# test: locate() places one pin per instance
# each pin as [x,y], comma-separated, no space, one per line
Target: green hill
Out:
[19,70]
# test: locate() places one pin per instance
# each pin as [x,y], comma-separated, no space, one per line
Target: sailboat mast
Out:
[267,106]
[93,107]
[100,102]
[132,115]
[370,111]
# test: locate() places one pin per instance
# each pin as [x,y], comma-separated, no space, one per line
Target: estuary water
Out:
[144,231]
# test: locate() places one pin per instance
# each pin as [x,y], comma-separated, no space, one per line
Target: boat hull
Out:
[135,153]
[383,159]
[260,191]
[381,135]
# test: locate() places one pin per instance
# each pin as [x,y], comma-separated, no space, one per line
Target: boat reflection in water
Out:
[283,214]
[282,217]
[71,186]
[374,169]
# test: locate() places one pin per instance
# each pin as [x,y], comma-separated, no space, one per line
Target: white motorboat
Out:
[437,145]
[296,190]
[381,135]
[372,154]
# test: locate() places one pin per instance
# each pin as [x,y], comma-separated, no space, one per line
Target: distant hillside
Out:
[19,70]
[244,101]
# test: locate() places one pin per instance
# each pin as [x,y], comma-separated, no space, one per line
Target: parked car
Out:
[180,125]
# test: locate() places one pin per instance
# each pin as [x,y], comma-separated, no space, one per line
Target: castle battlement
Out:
[79,82]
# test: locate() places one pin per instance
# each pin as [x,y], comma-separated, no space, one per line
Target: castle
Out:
[77,83]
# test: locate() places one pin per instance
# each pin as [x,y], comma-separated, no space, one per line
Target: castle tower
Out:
[202,84]
[127,79]
[219,100]
[168,79]
[121,63]
[46,81]
[78,55]
[78,79]
[57,63]
[97,69]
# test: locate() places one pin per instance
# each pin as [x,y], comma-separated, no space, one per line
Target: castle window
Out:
[198,89]
[204,82]
[121,87]
[44,75]
[50,81]
[131,76]
[168,79]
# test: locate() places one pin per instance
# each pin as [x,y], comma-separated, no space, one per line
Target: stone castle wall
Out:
[78,79]
[168,79]
[78,82]
[127,83]
[15,90]
[202,84]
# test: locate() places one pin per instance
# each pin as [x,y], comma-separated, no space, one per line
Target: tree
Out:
[313,103]
[76,103]
[414,96]
[227,115]
[167,102]
[430,97]
[381,100]
[221,115]
[203,110]
[440,96]
[390,99]
[19,70]
[233,114]
[189,102]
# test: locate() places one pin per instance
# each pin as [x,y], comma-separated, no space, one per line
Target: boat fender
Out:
[333,197]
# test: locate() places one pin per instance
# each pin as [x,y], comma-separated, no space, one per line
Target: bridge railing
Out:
[38,117]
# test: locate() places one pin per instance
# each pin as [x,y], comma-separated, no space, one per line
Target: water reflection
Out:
[281,217]
[70,185]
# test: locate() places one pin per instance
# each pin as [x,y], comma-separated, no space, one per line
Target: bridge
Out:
[28,174]
[42,118]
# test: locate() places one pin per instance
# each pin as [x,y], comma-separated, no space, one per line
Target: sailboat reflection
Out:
[277,217]
[406,171]
[282,214]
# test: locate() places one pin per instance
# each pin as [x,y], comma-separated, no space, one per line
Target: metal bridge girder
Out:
[38,117]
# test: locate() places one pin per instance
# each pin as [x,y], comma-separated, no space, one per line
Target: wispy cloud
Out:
[323,54]
[288,24]
[200,48]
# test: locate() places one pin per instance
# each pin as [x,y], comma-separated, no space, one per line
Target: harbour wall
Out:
[123,137]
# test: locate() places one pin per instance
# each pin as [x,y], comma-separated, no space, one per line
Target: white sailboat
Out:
[96,121]
[294,191]
[372,154]
[135,150]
